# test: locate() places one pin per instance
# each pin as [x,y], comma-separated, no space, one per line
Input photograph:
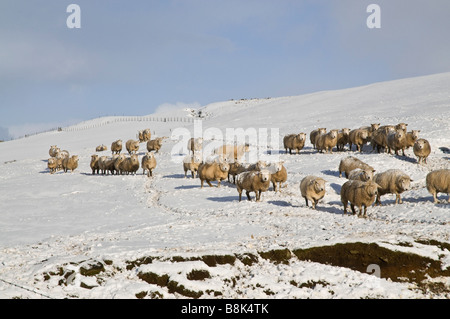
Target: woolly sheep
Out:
[411,138]
[101,148]
[379,137]
[129,165]
[278,174]
[370,129]
[117,161]
[70,163]
[232,152]
[60,156]
[422,150]
[253,181]
[53,150]
[350,163]
[195,144]
[359,174]
[438,181]
[360,194]
[116,147]
[312,188]
[148,164]
[313,135]
[215,171]
[110,163]
[294,142]
[102,164]
[396,140]
[52,164]
[358,137]
[342,139]
[327,141]
[191,163]
[155,144]
[236,168]
[144,135]
[94,164]
[132,146]
[392,181]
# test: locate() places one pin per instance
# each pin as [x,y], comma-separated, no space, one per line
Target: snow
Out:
[65,220]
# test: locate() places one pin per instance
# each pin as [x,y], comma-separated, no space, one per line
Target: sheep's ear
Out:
[411,180]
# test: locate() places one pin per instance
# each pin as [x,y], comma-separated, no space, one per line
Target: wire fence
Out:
[80,127]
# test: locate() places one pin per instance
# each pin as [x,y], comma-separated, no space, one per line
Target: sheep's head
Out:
[224,166]
[375,126]
[333,134]
[371,188]
[94,157]
[319,184]
[420,144]
[399,134]
[403,183]
[346,131]
[415,134]
[264,175]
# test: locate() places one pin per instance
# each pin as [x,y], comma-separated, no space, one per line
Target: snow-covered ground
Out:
[54,228]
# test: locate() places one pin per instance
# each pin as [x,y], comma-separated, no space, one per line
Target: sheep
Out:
[278,174]
[411,138]
[312,188]
[116,163]
[132,146]
[327,141]
[232,152]
[155,144]
[396,140]
[191,163]
[129,165]
[379,137]
[60,156]
[195,144]
[94,164]
[359,174]
[422,150]
[102,164]
[294,142]
[215,171]
[110,163]
[342,139]
[52,164]
[101,148]
[392,181]
[148,164]
[53,150]
[360,194]
[116,147]
[70,163]
[350,163]
[358,137]
[144,135]
[253,181]
[236,168]
[313,134]
[370,129]
[438,181]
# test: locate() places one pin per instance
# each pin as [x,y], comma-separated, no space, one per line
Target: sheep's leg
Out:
[353,209]
[248,195]
[314,203]
[306,200]
[398,199]
[209,183]
[240,194]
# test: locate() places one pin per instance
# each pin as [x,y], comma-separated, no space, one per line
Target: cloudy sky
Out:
[130,57]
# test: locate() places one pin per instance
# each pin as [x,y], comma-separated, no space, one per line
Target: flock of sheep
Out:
[362,189]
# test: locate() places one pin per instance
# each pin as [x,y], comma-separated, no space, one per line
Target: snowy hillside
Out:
[78,235]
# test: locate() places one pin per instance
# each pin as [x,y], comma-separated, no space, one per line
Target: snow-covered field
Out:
[78,235]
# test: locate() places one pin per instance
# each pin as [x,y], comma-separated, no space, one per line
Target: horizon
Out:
[131,59]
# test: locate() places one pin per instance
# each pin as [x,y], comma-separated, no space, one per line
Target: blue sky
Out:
[130,57]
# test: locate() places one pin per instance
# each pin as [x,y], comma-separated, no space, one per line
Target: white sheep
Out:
[195,144]
[360,194]
[350,163]
[94,164]
[359,174]
[312,188]
[422,150]
[326,141]
[116,147]
[358,137]
[438,181]
[191,163]
[313,135]
[294,142]
[70,163]
[392,181]
[253,181]
[132,146]
[148,164]
[396,140]
[215,171]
